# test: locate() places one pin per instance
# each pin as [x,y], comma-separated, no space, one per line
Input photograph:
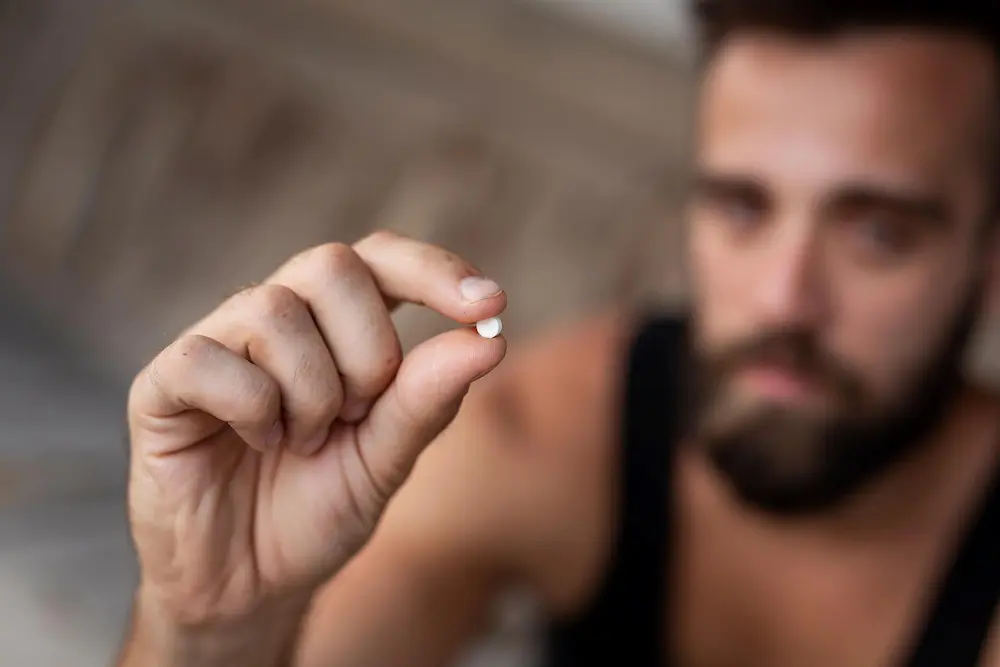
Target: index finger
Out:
[411,271]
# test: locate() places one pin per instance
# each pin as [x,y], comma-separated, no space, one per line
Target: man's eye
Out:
[739,212]
[882,234]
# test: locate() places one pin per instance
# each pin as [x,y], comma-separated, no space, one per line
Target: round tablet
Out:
[490,328]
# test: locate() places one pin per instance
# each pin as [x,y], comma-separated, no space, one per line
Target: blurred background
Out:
[157,155]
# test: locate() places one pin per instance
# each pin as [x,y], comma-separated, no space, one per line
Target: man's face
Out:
[836,249]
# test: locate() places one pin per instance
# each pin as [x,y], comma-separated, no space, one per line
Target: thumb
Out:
[422,400]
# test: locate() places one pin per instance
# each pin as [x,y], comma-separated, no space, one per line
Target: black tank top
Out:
[625,622]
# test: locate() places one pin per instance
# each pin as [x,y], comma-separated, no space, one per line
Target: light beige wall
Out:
[657,22]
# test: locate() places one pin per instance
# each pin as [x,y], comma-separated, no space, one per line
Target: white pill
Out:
[490,328]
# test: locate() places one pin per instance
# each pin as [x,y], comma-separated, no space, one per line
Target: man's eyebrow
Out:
[926,208]
[706,182]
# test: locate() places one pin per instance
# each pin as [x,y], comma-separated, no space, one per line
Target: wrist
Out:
[265,638]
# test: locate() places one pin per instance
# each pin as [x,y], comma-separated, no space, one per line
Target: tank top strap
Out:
[960,621]
[627,616]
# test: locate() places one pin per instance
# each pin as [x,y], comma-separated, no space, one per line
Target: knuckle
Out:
[276,302]
[260,395]
[332,260]
[171,366]
[187,352]
[380,237]
[327,393]
[189,349]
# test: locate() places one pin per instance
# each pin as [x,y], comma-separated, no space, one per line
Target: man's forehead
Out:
[904,46]
[953,72]
[912,99]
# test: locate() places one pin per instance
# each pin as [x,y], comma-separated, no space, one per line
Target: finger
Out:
[199,375]
[415,272]
[272,327]
[421,402]
[352,316]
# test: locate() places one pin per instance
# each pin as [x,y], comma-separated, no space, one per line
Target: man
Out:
[800,475]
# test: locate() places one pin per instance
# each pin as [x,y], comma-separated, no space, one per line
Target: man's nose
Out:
[789,290]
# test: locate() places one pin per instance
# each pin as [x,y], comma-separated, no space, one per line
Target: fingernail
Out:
[276,434]
[475,289]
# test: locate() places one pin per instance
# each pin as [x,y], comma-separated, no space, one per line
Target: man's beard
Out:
[793,461]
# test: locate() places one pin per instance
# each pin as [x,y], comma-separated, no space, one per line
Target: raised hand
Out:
[267,440]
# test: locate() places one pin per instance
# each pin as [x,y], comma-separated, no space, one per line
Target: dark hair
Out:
[719,18]
[978,19]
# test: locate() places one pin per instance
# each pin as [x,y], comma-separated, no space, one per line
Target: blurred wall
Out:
[656,22]
[194,145]
[159,154]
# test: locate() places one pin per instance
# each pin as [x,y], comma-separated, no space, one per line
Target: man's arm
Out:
[449,542]
[516,490]
[269,641]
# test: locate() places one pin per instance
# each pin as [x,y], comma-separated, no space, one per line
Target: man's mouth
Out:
[778,384]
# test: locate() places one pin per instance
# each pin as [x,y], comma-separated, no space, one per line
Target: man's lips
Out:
[779,384]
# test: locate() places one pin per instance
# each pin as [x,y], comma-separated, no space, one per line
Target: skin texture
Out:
[236,536]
